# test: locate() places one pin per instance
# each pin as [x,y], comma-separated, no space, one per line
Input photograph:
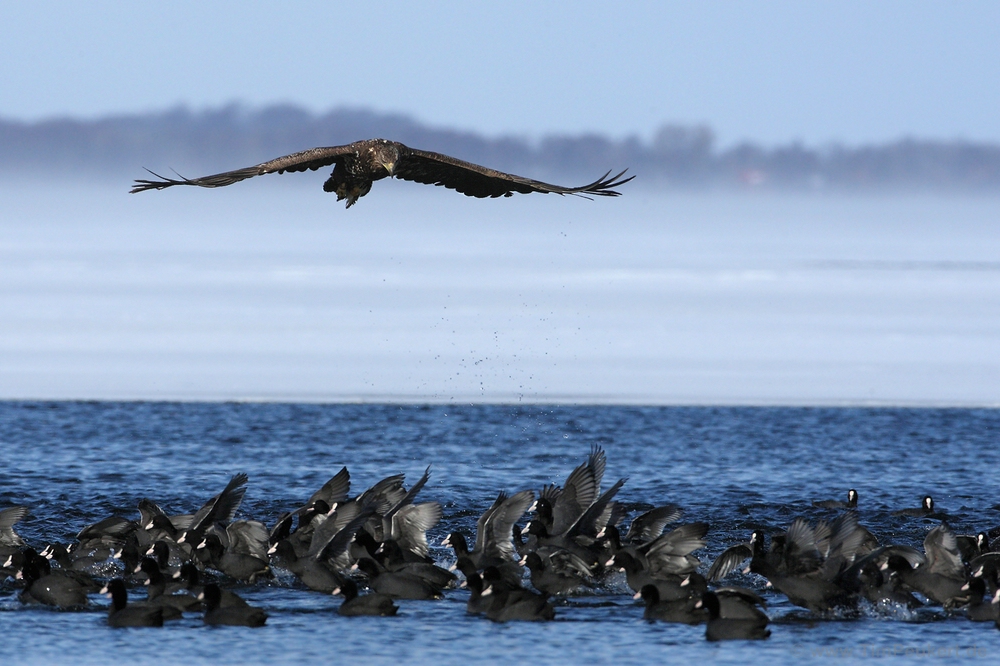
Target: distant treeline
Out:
[682,157]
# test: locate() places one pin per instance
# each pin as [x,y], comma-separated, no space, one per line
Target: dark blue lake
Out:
[737,468]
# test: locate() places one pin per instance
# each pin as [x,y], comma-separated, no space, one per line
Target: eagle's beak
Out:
[390,167]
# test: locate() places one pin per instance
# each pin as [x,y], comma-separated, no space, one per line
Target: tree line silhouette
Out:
[678,156]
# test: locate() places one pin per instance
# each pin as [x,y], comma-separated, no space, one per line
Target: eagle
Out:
[357,165]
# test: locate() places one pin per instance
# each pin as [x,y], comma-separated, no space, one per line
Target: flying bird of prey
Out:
[357,165]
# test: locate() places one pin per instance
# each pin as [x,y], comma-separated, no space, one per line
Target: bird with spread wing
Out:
[357,165]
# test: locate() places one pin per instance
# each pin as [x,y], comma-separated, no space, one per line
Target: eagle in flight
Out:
[357,165]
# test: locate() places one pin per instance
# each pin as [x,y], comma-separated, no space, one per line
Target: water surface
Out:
[736,467]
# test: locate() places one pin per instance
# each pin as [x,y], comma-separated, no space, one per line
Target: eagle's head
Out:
[386,155]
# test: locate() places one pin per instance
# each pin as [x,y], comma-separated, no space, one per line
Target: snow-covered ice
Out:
[271,290]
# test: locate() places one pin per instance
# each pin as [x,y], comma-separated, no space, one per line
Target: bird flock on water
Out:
[530,552]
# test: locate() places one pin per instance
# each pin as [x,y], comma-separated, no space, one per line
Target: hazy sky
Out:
[769,71]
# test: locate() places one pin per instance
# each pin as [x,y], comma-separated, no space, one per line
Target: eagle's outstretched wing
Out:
[474,180]
[312,159]
[420,166]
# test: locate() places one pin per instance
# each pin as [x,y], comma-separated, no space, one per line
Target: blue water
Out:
[737,468]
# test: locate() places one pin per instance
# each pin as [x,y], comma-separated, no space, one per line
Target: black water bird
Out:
[980,610]
[926,509]
[314,573]
[217,614]
[555,576]
[730,559]
[649,525]
[672,553]
[189,577]
[477,603]
[219,510]
[155,524]
[973,546]
[805,563]
[160,591]
[46,587]
[357,165]
[721,628]
[244,556]
[77,568]
[687,610]
[494,545]
[739,603]
[356,605]
[512,603]
[666,562]
[121,614]
[942,576]
[406,528]
[851,503]
[398,584]
[332,493]
[163,551]
[392,558]
[110,534]
[559,508]
[987,567]
[316,568]
[868,579]
[590,519]
[670,587]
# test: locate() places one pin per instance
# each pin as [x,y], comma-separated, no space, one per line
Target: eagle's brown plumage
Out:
[357,165]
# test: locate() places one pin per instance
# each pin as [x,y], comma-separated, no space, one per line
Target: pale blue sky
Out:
[768,71]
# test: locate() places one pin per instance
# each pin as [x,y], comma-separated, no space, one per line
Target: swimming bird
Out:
[739,603]
[398,584]
[390,556]
[973,546]
[666,562]
[332,493]
[686,610]
[477,603]
[217,614]
[867,578]
[942,576]
[219,510]
[159,594]
[730,559]
[642,530]
[494,545]
[649,525]
[556,576]
[189,577]
[370,604]
[245,556]
[100,538]
[559,508]
[805,563]
[670,587]
[43,586]
[851,503]
[979,610]
[721,628]
[575,518]
[316,567]
[121,614]
[77,569]
[357,165]
[926,509]
[513,603]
